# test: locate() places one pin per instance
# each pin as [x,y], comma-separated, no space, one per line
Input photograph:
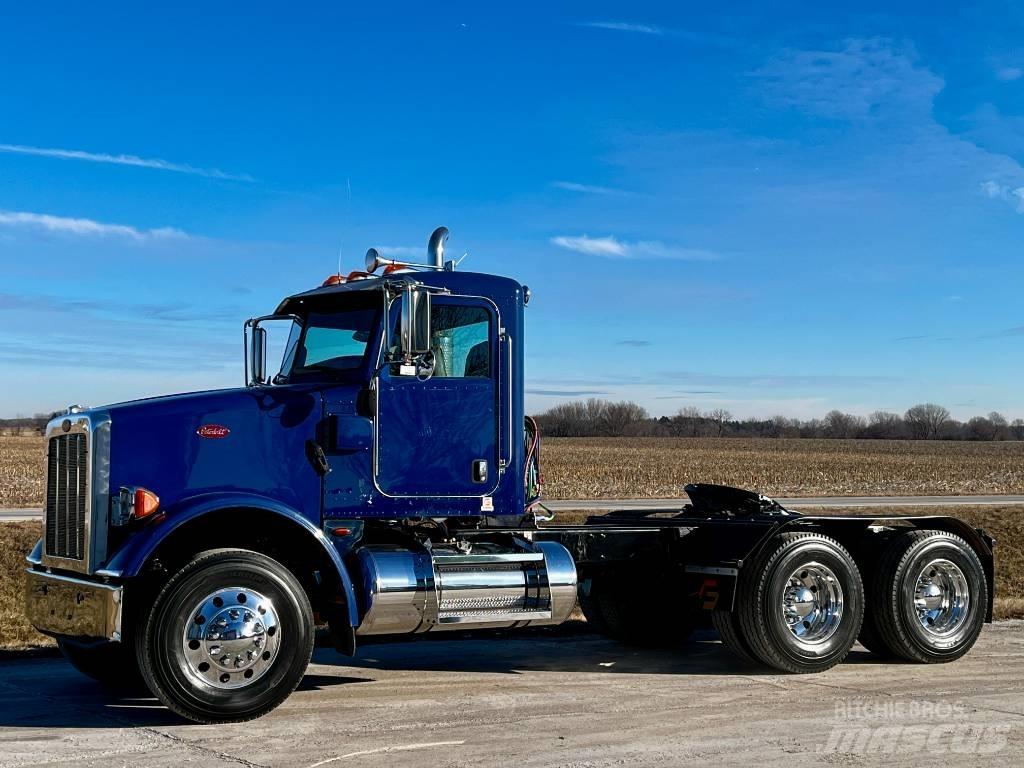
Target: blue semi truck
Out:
[383,481]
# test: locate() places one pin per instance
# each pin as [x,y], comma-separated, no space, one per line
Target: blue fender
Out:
[131,558]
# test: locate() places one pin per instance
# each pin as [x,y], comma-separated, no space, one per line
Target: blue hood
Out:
[184,446]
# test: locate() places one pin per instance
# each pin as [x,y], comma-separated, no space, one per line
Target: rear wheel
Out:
[801,603]
[228,638]
[728,627]
[930,597]
[620,609]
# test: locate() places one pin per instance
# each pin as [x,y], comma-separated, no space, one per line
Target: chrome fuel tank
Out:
[477,586]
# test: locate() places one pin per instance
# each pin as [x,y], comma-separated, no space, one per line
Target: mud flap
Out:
[711,588]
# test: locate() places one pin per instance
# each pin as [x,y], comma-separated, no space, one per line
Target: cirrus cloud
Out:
[85,227]
[121,159]
[610,247]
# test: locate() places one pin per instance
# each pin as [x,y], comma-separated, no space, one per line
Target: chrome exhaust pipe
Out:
[435,247]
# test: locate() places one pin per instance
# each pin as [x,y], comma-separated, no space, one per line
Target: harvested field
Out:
[21,471]
[612,467]
[593,468]
[16,541]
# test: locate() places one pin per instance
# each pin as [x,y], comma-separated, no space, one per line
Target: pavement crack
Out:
[200,748]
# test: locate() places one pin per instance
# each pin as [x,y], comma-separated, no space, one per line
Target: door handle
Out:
[480,471]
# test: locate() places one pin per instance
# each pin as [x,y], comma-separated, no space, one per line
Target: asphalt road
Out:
[604,505]
[556,698]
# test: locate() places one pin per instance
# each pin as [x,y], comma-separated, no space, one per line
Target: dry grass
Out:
[21,471]
[16,541]
[580,468]
[1004,524]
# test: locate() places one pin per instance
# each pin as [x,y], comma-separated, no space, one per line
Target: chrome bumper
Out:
[62,605]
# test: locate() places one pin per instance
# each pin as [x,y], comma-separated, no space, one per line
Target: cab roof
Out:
[475,283]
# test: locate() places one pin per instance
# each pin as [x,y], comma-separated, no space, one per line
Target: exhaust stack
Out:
[435,247]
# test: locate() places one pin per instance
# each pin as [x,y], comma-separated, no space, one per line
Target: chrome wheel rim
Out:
[231,639]
[812,603]
[942,598]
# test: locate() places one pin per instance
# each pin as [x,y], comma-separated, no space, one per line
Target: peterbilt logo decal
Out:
[214,431]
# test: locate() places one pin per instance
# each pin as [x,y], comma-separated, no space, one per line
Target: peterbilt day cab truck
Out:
[384,481]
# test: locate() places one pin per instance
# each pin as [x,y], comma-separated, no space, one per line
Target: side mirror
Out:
[258,355]
[415,322]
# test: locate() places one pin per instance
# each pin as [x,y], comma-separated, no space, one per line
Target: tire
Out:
[945,567]
[618,610]
[728,628]
[870,637]
[113,665]
[801,603]
[228,638]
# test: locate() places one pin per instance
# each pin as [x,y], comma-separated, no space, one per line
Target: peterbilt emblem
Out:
[215,431]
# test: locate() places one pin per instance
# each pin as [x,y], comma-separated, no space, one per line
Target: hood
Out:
[183,446]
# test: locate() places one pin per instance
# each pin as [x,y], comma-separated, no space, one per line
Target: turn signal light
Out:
[146,503]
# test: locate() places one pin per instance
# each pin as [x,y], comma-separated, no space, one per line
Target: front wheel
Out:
[228,638]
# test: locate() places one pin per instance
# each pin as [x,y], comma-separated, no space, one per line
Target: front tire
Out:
[801,603]
[228,638]
[930,597]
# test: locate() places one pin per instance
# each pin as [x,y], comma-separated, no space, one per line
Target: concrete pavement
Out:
[549,698]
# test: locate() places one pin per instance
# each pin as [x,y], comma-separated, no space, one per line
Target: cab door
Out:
[439,437]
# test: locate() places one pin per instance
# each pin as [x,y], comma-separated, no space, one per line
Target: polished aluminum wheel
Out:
[942,598]
[812,604]
[231,639]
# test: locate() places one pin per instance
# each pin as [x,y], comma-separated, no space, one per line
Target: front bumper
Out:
[66,606]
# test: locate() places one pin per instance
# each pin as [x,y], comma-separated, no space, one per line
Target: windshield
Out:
[329,342]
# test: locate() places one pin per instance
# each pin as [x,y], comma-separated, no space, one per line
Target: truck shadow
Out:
[569,648]
[47,692]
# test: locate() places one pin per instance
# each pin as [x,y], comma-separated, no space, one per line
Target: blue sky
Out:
[777,210]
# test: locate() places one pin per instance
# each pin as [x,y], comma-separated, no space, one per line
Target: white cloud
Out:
[588,189]
[996,191]
[86,227]
[1009,74]
[611,247]
[623,26]
[132,160]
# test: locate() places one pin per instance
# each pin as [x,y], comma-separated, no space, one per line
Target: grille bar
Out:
[67,489]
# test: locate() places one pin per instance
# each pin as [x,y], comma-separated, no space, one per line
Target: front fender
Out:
[130,559]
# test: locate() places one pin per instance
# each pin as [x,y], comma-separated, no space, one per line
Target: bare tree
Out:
[687,421]
[719,417]
[883,425]
[1000,425]
[842,425]
[1017,429]
[981,428]
[618,417]
[926,421]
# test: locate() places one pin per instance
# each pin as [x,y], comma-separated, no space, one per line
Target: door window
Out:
[460,338]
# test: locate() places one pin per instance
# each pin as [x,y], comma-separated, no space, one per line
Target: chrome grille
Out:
[67,496]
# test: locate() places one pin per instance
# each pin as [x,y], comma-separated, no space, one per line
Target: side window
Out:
[461,341]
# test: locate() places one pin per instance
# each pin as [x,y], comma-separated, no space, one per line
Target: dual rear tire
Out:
[801,603]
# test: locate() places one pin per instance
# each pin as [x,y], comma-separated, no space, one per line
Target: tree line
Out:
[928,421]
